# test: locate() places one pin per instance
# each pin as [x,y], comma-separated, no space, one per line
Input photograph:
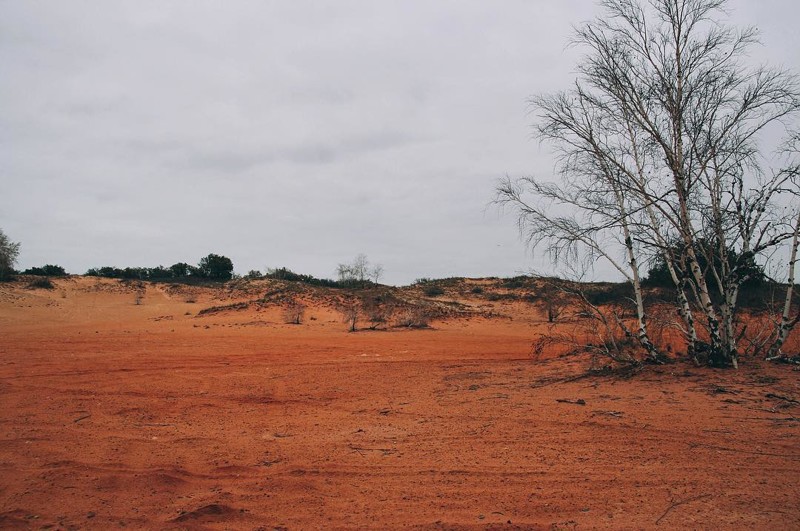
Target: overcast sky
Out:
[285,133]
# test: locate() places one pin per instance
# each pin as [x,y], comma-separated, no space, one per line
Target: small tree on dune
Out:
[351,313]
[181,270]
[9,251]
[216,267]
[359,271]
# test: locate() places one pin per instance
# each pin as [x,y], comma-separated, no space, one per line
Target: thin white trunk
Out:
[787,322]
[641,317]
[684,310]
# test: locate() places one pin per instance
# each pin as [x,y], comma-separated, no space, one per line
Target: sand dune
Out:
[126,405]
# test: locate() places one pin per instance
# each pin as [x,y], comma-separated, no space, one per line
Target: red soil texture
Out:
[122,406]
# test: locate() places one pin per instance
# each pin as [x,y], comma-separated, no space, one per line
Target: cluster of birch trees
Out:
[660,157]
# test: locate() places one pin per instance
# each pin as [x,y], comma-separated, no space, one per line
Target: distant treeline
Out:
[211,267]
[180,270]
[283,273]
[48,270]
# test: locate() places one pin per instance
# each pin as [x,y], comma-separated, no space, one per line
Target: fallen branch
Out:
[579,402]
[547,381]
[773,419]
[496,396]
[617,414]
[781,397]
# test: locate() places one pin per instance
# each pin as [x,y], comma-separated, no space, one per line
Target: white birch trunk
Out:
[787,322]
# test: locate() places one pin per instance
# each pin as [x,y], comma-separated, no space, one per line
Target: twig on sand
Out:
[362,449]
[579,402]
[82,417]
[552,381]
[680,502]
[609,413]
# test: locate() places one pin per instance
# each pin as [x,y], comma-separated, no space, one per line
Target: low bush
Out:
[41,283]
[284,273]
[414,318]
[226,307]
[433,291]
[610,293]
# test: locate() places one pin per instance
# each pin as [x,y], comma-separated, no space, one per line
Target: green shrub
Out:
[284,273]
[9,251]
[610,293]
[433,291]
[515,282]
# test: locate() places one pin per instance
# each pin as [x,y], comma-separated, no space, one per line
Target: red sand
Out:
[143,416]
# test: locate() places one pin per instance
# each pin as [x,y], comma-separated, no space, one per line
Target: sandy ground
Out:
[147,416]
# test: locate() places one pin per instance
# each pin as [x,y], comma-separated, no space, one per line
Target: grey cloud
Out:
[282,133]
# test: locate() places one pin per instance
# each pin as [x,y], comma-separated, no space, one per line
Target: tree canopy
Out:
[215,267]
[658,142]
[48,270]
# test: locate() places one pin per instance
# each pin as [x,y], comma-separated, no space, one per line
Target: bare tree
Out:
[553,299]
[351,313]
[359,271]
[375,273]
[658,143]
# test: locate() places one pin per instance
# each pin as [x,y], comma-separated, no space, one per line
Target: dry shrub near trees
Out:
[659,160]
[378,311]
[41,283]
[596,321]
[553,300]
[294,312]
[351,313]
[413,317]
[382,312]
